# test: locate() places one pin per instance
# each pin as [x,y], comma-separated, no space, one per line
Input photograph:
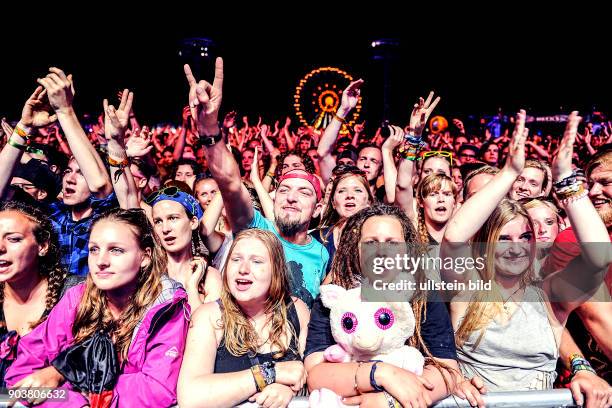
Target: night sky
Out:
[476,66]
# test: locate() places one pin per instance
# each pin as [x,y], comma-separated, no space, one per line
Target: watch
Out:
[211,140]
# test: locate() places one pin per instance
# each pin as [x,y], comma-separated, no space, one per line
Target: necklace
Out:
[505,305]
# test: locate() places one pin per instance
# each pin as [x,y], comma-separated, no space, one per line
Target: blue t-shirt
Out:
[306,263]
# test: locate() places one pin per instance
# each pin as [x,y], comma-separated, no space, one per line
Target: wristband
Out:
[372,379]
[356,386]
[22,130]
[17,145]
[260,382]
[118,163]
[339,118]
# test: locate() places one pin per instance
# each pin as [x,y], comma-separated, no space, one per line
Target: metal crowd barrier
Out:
[530,399]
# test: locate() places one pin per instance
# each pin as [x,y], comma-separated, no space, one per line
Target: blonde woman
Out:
[248,345]
[509,336]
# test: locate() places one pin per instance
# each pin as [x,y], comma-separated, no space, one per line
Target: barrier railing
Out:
[530,399]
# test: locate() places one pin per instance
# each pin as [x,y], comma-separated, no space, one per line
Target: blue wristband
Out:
[372,379]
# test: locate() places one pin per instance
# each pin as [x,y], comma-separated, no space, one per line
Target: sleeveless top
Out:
[225,362]
[520,354]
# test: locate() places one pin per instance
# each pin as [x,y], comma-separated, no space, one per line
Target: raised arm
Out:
[60,89]
[179,145]
[35,113]
[204,102]
[389,170]
[267,205]
[350,97]
[115,125]
[586,272]
[411,149]
[472,215]
[212,238]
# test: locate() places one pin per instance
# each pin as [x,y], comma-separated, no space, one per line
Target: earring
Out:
[193,248]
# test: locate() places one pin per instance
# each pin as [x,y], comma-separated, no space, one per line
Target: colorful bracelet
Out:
[118,163]
[22,132]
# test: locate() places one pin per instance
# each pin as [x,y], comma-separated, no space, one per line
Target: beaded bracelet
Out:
[356,386]
[575,197]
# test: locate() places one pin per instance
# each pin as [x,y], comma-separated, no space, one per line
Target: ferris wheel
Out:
[318,96]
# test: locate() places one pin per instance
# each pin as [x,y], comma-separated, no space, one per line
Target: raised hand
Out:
[350,97]
[139,143]
[116,120]
[396,137]
[37,112]
[358,128]
[516,150]
[421,112]
[205,99]
[230,120]
[562,162]
[60,89]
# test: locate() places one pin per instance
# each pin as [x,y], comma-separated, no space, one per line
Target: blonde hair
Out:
[486,305]
[430,184]
[93,313]
[239,335]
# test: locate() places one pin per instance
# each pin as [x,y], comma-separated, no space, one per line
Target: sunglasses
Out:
[441,153]
[171,191]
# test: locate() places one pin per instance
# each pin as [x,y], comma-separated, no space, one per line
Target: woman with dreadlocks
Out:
[433,334]
[31,279]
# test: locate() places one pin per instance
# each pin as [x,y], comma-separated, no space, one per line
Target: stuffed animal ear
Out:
[331,294]
[354,293]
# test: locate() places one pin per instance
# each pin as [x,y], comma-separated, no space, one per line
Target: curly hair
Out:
[49,266]
[306,160]
[93,313]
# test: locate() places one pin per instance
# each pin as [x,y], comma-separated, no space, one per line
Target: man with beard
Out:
[297,199]
[594,316]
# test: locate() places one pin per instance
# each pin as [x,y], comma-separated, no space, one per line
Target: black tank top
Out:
[225,362]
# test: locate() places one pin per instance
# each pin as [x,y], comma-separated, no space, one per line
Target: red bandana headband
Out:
[304,176]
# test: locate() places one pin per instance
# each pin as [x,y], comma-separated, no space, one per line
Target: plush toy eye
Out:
[349,322]
[384,318]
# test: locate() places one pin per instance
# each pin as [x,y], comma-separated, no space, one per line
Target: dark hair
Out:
[195,167]
[306,160]
[331,216]
[49,264]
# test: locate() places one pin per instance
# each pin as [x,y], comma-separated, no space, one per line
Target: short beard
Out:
[606,215]
[289,228]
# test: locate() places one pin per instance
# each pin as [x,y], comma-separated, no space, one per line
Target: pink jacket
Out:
[151,371]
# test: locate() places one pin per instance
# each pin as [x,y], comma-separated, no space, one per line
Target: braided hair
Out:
[49,266]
